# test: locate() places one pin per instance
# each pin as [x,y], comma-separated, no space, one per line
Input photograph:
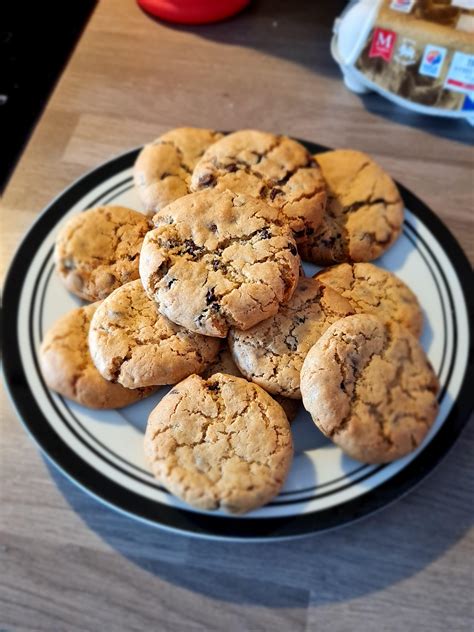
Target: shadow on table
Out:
[453,129]
[280,29]
[364,557]
[285,29]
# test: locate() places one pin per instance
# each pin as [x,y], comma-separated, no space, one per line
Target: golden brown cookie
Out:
[68,369]
[98,250]
[217,259]
[133,344]
[364,211]
[274,168]
[162,171]
[373,290]
[220,443]
[370,388]
[271,353]
[224,363]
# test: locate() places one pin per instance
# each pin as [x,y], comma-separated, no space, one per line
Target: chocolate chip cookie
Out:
[271,353]
[68,369]
[133,344]
[221,443]
[274,168]
[373,290]
[369,387]
[216,260]
[224,363]
[364,212]
[162,171]
[97,251]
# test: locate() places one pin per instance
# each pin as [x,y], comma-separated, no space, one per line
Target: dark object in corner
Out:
[35,43]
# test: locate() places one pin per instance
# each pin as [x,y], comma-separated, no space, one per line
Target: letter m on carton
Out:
[383,42]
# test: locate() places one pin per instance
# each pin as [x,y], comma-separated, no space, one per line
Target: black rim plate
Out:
[205,524]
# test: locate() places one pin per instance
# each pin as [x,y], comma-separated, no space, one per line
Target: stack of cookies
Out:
[206,292]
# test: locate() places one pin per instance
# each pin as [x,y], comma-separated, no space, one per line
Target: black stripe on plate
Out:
[452,312]
[443,309]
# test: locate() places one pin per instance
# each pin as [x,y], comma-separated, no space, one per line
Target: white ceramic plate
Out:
[102,450]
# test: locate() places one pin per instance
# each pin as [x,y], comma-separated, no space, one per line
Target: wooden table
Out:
[69,563]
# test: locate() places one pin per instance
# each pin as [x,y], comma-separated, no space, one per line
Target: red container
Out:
[193,11]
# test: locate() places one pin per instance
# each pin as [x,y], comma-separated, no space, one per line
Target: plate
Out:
[102,450]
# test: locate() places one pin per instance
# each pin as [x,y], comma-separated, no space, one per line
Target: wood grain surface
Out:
[70,563]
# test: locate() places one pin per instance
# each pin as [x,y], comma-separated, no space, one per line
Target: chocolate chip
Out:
[274,193]
[210,296]
[212,228]
[231,168]
[171,282]
[300,320]
[207,180]
[265,234]
[343,387]
[215,264]
[292,248]
[263,191]
[190,248]
[213,387]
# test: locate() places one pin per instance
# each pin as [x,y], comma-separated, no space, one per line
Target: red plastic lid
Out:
[193,11]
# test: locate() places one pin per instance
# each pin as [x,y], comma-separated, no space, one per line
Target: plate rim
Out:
[206,525]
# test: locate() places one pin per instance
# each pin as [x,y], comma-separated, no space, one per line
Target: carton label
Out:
[406,52]
[468,105]
[463,4]
[404,6]
[432,62]
[382,45]
[460,77]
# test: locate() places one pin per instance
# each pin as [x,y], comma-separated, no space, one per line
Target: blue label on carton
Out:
[468,104]
[432,61]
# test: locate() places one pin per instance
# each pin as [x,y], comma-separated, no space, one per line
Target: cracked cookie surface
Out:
[216,260]
[274,168]
[373,290]
[221,443]
[68,369]
[133,344]
[162,171]
[98,250]
[370,388]
[224,363]
[364,211]
[271,354]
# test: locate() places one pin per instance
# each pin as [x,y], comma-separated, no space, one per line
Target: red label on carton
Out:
[383,43]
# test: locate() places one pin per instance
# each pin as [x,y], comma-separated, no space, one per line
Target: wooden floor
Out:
[70,563]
